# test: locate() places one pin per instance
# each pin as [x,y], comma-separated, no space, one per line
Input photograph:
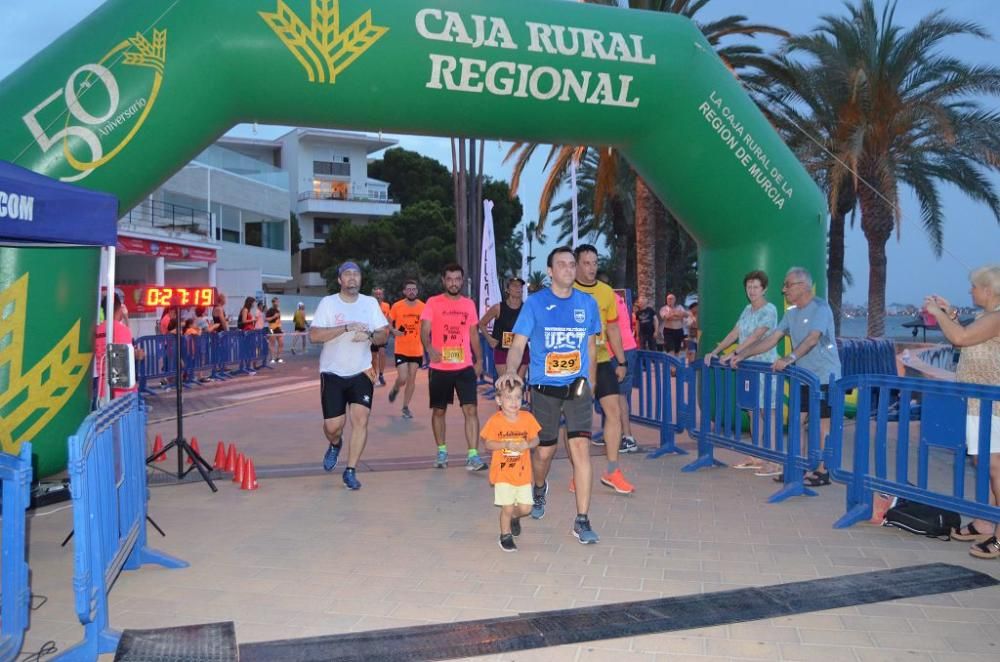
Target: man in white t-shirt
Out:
[347,323]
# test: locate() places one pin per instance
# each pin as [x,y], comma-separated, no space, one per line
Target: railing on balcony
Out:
[355,196]
[168,216]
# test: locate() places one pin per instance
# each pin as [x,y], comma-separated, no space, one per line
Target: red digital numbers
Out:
[158,296]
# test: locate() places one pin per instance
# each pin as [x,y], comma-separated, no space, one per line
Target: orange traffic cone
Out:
[195,448]
[231,458]
[249,477]
[158,449]
[238,473]
[220,457]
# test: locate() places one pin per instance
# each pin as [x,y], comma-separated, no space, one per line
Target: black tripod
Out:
[183,448]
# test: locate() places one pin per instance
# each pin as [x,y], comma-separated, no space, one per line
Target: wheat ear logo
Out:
[322,48]
[33,399]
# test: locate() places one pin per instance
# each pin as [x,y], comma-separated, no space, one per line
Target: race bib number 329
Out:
[562,364]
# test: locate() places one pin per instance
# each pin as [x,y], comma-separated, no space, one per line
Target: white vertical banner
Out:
[524,261]
[623,4]
[489,284]
[576,209]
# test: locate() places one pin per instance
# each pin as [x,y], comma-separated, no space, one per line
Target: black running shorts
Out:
[337,392]
[549,410]
[445,383]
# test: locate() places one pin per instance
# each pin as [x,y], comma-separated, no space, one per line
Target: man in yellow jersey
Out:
[609,344]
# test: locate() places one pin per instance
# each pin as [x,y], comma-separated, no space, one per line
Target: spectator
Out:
[646,325]
[672,318]
[758,319]
[979,363]
[809,323]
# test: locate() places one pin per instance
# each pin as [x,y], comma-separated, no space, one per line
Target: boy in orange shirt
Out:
[511,434]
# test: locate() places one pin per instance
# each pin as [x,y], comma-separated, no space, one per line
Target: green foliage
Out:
[413,177]
[295,234]
[420,239]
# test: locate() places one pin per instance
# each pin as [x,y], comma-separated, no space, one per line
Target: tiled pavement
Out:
[304,557]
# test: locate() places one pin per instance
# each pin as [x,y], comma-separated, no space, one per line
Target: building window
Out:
[326,189]
[337,168]
[229,223]
[263,231]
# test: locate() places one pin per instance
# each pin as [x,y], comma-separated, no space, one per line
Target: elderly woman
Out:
[757,319]
[979,364]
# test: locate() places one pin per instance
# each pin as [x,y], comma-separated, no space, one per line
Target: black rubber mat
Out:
[554,628]
[212,642]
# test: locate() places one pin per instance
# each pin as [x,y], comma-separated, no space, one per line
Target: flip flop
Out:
[972,534]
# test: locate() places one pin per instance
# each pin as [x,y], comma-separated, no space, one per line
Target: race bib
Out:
[562,364]
[453,354]
[508,339]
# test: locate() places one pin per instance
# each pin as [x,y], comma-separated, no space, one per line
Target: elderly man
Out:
[809,323]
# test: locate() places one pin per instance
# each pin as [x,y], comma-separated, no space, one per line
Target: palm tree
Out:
[534,232]
[804,105]
[650,212]
[537,280]
[910,117]
[613,221]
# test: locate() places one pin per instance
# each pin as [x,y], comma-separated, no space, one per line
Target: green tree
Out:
[912,117]
[294,232]
[413,177]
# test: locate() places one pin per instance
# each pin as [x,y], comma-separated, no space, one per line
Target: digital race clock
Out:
[161,296]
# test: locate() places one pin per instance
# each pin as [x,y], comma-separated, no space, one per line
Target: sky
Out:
[972,234]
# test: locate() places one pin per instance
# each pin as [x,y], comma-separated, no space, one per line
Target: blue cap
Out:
[347,266]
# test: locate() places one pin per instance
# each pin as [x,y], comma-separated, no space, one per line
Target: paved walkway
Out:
[304,557]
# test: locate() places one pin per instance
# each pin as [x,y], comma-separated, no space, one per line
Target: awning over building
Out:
[37,209]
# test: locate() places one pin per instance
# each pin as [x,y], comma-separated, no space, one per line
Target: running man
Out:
[409,353]
[273,319]
[503,315]
[378,349]
[609,375]
[299,324]
[446,328]
[562,325]
[347,323]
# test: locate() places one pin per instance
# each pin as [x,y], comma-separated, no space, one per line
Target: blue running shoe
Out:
[331,457]
[351,481]
[583,532]
[442,460]
[538,495]
[475,463]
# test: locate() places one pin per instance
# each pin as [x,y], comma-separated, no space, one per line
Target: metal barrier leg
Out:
[793,489]
[860,512]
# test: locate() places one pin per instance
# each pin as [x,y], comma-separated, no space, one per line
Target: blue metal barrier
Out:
[214,355]
[942,424]
[651,401]
[725,395]
[107,472]
[15,473]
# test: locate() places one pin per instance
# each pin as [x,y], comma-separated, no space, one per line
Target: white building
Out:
[224,219]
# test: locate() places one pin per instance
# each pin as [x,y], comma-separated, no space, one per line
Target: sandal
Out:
[749,464]
[971,534]
[988,549]
[817,479]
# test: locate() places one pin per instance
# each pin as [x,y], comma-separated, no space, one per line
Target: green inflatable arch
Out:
[132,93]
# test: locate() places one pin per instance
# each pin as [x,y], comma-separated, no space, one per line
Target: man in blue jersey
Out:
[562,325]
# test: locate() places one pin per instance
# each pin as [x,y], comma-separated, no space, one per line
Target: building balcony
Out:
[325,204]
[168,219]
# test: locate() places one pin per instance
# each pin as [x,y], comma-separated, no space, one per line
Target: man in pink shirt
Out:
[446,327]
[629,344]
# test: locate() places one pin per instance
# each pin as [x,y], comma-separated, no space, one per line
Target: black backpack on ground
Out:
[922,519]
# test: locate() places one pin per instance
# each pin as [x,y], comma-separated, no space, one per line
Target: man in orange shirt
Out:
[404,320]
[378,351]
